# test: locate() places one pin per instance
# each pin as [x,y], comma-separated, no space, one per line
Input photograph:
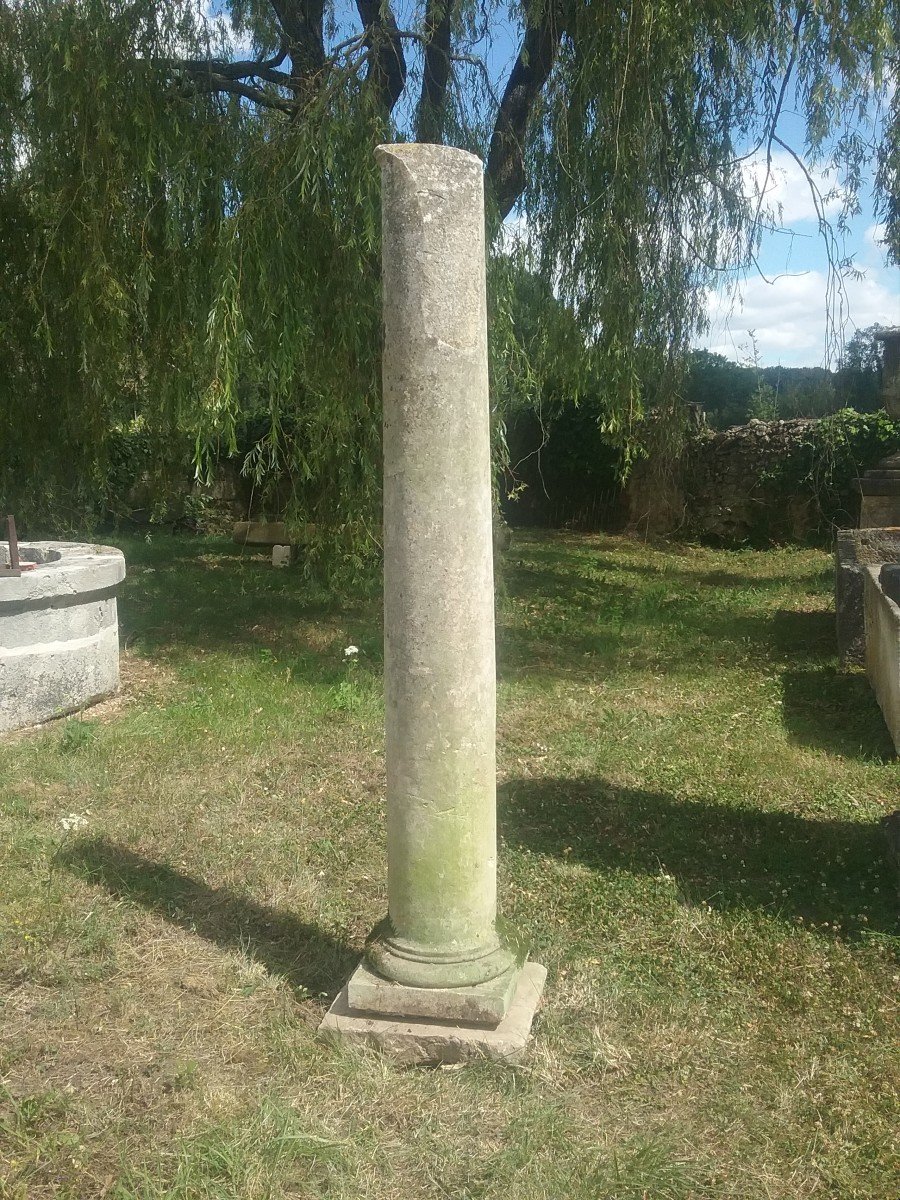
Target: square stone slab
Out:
[477,1004]
[434,1041]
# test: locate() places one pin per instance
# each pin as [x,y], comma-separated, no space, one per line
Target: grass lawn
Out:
[688,797]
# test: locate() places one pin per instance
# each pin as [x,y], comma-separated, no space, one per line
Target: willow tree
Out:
[189,210]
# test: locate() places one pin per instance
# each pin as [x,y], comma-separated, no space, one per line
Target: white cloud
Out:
[789,317]
[214,19]
[786,192]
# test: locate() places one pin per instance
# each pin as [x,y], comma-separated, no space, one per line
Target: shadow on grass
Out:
[311,961]
[682,631]
[565,620]
[827,710]
[211,595]
[730,858]
[803,636]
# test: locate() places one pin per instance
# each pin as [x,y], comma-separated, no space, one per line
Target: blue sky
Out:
[786,304]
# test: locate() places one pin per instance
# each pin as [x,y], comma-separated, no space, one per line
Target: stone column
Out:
[438,954]
[440,692]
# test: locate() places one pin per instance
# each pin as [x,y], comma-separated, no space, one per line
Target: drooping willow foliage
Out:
[189,211]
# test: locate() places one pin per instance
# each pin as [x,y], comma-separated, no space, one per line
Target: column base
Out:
[416,965]
[432,1040]
[473,1004]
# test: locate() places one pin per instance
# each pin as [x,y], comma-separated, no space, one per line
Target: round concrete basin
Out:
[59,631]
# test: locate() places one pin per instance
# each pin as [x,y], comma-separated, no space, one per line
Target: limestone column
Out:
[437,983]
[440,690]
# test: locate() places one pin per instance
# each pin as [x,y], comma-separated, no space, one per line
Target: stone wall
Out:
[752,483]
[735,482]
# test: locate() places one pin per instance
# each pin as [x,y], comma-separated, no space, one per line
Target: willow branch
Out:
[779,104]
[200,68]
[235,87]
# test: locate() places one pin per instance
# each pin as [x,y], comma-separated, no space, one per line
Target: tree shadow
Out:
[835,711]
[311,961]
[729,857]
[804,635]
[215,596]
[611,622]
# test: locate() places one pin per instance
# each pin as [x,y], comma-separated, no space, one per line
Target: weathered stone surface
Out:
[438,577]
[260,533]
[476,1004]
[423,1041]
[282,556]
[879,511]
[880,489]
[59,640]
[883,648]
[855,549]
[723,486]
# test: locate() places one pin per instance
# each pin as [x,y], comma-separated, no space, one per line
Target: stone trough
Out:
[855,550]
[59,632]
[882,614]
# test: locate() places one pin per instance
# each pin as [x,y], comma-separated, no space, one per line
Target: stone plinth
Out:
[880,489]
[882,608]
[436,1041]
[854,550]
[474,1004]
[59,634]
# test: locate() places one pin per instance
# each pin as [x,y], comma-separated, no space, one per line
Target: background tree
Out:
[190,205]
[858,380]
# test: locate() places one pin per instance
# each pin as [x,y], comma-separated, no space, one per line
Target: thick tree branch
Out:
[235,87]
[436,71]
[201,68]
[506,158]
[301,22]
[387,64]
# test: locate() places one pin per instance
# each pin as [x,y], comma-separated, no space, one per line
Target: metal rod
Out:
[13,542]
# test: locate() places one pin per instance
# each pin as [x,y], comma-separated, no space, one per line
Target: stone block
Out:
[282,556]
[889,578]
[476,1004]
[260,533]
[269,533]
[882,615]
[431,1041]
[879,511]
[854,550]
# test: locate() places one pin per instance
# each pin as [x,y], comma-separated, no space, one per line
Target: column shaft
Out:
[440,691]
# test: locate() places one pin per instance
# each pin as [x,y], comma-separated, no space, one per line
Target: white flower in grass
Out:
[73,821]
[351,651]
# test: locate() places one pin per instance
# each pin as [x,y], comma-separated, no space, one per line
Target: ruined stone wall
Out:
[767,481]
[748,482]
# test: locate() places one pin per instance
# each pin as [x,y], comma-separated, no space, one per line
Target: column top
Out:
[426,153]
